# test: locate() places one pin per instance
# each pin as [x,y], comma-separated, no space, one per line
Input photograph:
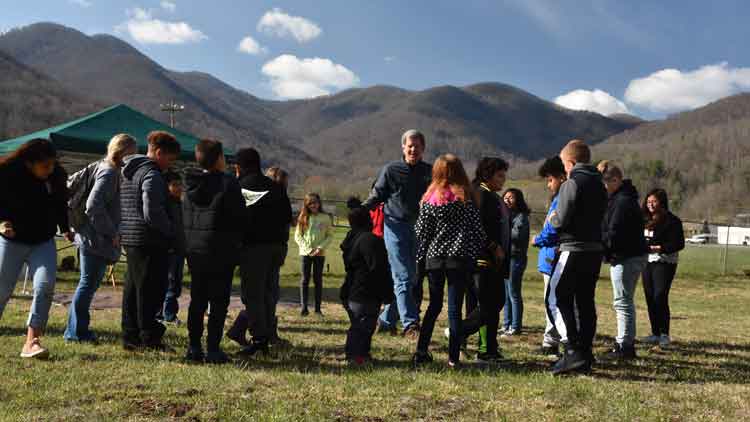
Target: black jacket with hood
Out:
[268,219]
[145,217]
[34,209]
[368,275]
[622,227]
[213,213]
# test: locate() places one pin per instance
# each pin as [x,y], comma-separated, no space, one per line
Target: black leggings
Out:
[657,281]
[314,265]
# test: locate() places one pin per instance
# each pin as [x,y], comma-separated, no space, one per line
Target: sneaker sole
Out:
[39,354]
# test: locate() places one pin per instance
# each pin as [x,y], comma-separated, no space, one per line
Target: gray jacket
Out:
[97,235]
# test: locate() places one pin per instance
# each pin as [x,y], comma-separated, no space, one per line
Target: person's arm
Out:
[475,224]
[327,235]
[674,238]
[380,192]
[547,238]
[424,231]
[154,193]
[101,194]
[566,199]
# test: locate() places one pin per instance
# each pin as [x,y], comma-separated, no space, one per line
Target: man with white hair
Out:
[400,187]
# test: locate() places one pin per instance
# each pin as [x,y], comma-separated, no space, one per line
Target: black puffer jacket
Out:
[368,275]
[622,227]
[34,210]
[268,219]
[213,213]
[667,233]
[145,218]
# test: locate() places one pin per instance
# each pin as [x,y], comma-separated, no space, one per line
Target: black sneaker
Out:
[420,358]
[549,351]
[304,312]
[237,336]
[217,357]
[571,360]
[255,347]
[489,358]
[194,354]
[621,352]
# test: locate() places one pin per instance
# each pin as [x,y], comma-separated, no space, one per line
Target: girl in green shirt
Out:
[313,234]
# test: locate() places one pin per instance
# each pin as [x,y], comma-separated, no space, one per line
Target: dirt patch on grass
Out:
[151,407]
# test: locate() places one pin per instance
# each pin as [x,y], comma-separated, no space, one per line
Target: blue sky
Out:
[644,57]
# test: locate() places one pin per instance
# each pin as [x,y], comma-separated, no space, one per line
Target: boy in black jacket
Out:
[582,202]
[367,284]
[213,214]
[625,250]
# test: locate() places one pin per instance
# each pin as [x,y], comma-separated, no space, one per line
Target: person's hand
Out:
[316,252]
[69,235]
[655,248]
[499,253]
[6,229]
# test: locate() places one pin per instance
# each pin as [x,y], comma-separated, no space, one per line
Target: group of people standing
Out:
[419,221]
[439,224]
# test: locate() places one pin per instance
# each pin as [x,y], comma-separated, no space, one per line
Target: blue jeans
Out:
[513,299]
[92,272]
[458,280]
[42,261]
[174,288]
[624,274]
[400,242]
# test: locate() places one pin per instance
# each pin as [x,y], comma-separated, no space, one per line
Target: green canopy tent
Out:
[91,134]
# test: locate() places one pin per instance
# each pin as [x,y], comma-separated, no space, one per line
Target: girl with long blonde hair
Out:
[313,234]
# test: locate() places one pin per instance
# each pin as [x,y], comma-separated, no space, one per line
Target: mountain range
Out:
[352,132]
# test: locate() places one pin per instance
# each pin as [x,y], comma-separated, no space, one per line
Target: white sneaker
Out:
[651,339]
[664,340]
[447,332]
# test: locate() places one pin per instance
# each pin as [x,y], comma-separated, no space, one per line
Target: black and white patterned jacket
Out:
[449,230]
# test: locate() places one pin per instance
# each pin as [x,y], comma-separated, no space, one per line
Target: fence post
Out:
[726,251]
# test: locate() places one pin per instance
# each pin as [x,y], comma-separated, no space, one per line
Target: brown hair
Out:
[278,175]
[609,170]
[164,141]
[577,151]
[653,220]
[448,174]
[208,152]
[304,213]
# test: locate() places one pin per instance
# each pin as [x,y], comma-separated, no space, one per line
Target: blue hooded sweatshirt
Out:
[548,241]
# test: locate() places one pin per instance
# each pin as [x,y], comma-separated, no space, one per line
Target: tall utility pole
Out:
[172,108]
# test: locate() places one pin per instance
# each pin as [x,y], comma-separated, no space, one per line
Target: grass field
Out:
[705,375]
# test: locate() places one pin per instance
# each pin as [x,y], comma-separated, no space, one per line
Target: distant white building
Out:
[736,235]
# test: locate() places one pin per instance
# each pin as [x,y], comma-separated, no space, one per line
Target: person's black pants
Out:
[657,281]
[457,282]
[143,295]
[489,292]
[573,284]
[312,265]
[363,318]
[211,285]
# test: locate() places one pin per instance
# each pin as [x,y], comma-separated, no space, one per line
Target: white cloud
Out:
[82,3]
[389,58]
[250,46]
[168,5]
[671,90]
[294,78]
[276,22]
[597,101]
[146,29]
